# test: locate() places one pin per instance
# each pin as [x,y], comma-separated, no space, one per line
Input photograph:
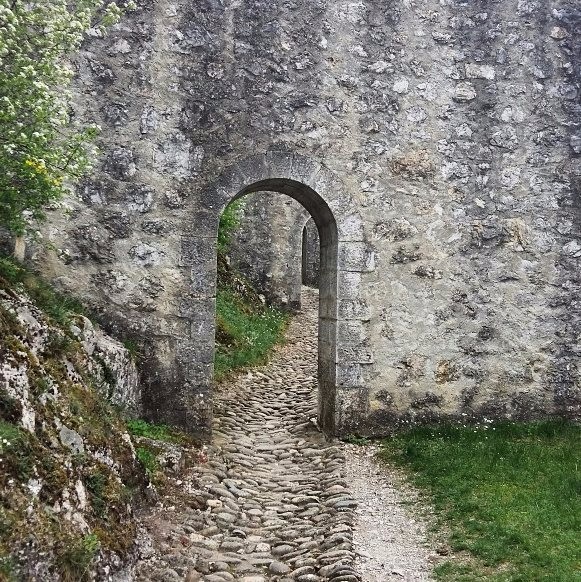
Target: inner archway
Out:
[310,255]
[326,226]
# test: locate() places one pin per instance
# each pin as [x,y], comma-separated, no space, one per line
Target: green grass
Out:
[148,459]
[509,496]
[158,432]
[56,306]
[229,222]
[132,348]
[75,561]
[245,332]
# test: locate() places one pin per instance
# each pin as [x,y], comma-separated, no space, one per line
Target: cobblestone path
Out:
[272,502]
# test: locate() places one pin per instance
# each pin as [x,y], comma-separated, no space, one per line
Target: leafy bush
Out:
[41,148]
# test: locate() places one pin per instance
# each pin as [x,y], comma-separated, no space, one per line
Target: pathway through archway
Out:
[273,501]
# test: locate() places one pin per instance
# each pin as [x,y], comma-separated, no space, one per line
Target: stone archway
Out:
[343,317]
[327,226]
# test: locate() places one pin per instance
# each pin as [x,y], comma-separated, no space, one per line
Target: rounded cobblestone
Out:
[272,502]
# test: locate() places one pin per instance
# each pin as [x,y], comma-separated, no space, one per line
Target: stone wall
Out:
[453,128]
[266,247]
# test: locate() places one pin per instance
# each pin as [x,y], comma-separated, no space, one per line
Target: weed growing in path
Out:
[508,493]
[354,439]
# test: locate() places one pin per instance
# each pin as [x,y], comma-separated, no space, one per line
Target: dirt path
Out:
[273,501]
[389,541]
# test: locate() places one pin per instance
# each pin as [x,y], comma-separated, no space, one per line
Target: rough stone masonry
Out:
[437,145]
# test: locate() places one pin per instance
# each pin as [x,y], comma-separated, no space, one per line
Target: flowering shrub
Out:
[41,147]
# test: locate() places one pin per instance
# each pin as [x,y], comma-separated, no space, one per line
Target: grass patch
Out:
[509,494]
[246,332]
[56,306]
[7,569]
[229,222]
[246,328]
[148,459]
[158,432]
[75,561]
[96,484]
[132,348]
[15,452]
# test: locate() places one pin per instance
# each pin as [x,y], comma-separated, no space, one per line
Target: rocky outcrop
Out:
[69,475]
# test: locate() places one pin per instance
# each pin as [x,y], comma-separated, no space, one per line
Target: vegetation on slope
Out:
[59,308]
[508,494]
[247,328]
[69,476]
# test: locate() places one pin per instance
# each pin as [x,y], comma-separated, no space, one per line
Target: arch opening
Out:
[326,226]
[310,255]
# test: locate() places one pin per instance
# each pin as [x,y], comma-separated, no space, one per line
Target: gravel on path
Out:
[389,540]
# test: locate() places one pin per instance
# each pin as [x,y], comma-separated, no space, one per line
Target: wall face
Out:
[453,126]
[266,247]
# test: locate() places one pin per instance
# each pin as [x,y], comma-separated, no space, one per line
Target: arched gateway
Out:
[344,255]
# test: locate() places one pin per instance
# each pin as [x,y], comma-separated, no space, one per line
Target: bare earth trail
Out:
[274,502]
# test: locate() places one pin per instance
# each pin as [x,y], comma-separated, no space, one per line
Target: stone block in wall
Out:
[356,256]
[349,285]
[197,308]
[198,251]
[349,375]
[354,309]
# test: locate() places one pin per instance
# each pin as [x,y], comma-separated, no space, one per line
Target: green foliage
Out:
[10,408]
[245,332]
[41,147]
[56,306]
[59,343]
[74,562]
[96,484]
[246,328]
[229,221]
[132,348]
[108,374]
[148,459]
[15,451]
[10,434]
[158,432]
[7,569]
[509,494]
